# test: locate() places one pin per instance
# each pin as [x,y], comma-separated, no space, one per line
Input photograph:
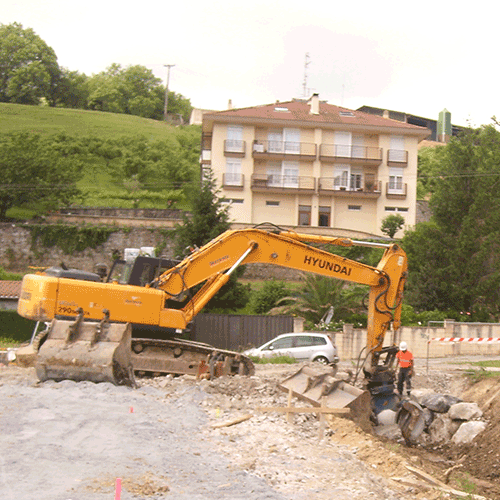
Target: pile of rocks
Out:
[447,419]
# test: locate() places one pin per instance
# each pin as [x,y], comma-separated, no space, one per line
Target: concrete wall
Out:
[351,341]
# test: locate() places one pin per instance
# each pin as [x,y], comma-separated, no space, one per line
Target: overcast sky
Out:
[419,57]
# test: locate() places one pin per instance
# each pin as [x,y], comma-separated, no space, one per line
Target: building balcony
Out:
[233,181]
[284,150]
[234,148]
[367,189]
[356,155]
[283,183]
[396,191]
[397,158]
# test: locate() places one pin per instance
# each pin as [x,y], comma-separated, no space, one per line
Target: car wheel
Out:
[321,359]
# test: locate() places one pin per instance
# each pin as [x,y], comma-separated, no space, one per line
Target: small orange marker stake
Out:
[131,409]
[118,488]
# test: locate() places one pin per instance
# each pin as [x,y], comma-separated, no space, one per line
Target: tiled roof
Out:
[300,110]
[10,289]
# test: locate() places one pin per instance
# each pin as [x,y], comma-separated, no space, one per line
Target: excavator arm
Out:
[214,262]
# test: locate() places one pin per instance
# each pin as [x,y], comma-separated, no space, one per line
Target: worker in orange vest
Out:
[405,358]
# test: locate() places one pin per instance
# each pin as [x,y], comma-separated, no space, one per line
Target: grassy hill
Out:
[98,184]
[46,120]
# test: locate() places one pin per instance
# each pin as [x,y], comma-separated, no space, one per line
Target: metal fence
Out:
[238,332]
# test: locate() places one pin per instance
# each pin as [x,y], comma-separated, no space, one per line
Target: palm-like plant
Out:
[317,294]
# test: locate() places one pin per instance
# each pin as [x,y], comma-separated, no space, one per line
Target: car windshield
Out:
[283,343]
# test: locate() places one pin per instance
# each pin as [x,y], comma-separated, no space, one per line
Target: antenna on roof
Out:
[305,90]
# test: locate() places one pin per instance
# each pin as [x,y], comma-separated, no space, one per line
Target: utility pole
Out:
[165,112]
[305,90]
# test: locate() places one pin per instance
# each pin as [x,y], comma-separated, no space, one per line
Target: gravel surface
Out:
[71,441]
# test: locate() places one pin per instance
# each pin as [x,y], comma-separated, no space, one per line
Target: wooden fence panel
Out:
[237,332]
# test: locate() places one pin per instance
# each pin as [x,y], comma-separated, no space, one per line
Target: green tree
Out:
[454,261]
[72,90]
[136,91]
[28,66]
[208,219]
[179,105]
[37,172]
[392,224]
[429,161]
[209,216]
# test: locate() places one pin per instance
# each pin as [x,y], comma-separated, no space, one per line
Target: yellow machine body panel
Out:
[45,297]
[37,300]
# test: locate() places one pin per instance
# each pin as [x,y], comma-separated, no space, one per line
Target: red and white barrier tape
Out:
[471,339]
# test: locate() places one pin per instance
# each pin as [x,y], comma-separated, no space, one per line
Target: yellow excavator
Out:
[96,327]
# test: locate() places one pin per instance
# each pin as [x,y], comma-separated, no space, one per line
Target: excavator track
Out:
[184,357]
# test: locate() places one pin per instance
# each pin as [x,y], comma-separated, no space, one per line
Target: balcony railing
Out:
[234,147]
[283,149]
[396,191]
[367,188]
[361,154]
[233,181]
[397,157]
[271,182]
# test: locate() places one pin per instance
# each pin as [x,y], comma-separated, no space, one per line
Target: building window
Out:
[341,177]
[356,208]
[397,149]
[285,174]
[396,209]
[233,175]
[234,142]
[272,203]
[396,180]
[304,215]
[324,216]
[356,180]
[343,144]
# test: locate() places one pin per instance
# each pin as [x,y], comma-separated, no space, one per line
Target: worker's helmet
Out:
[403,346]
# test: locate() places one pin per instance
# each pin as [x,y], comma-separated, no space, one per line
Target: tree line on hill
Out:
[30,74]
[44,173]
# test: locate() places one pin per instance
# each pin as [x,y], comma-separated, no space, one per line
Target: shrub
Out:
[266,298]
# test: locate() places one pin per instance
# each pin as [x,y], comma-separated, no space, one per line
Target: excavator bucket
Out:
[83,350]
[322,388]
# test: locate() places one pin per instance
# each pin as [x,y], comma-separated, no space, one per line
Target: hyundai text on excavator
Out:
[92,323]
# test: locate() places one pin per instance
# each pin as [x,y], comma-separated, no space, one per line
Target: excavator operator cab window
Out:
[120,272]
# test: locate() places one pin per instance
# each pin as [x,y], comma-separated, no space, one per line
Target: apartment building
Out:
[310,163]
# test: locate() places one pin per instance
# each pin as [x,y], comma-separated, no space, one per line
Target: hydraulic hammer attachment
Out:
[84,350]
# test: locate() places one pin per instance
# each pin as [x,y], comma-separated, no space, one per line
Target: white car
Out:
[303,346]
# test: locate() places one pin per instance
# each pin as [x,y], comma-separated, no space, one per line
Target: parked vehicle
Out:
[303,346]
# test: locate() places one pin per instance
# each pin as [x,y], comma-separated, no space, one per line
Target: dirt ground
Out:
[472,469]
[179,446]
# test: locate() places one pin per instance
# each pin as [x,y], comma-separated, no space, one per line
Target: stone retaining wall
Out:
[16,254]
